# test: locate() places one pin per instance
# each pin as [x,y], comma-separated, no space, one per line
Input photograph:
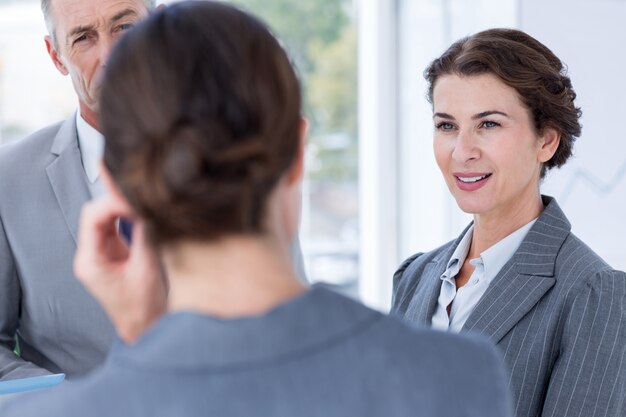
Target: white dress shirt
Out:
[486,267]
[91,144]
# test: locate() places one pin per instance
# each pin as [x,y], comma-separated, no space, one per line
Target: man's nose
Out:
[106,46]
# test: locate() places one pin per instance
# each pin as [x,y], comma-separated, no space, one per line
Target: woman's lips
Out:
[471,181]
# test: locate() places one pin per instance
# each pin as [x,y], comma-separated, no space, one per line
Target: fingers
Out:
[99,244]
[127,281]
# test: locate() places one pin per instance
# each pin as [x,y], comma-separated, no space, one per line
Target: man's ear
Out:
[296,171]
[54,55]
[549,143]
[161,6]
[114,191]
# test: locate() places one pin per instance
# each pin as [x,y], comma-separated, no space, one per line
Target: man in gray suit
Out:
[44,181]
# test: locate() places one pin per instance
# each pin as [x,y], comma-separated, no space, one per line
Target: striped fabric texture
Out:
[557,312]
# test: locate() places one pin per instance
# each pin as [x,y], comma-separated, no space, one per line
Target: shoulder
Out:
[408,274]
[578,262]
[419,260]
[423,347]
[14,155]
[573,263]
[594,294]
[606,282]
[435,348]
[436,362]
[418,365]
[577,255]
[37,139]
[382,332]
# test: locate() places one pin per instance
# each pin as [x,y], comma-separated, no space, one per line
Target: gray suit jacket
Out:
[319,355]
[557,312]
[59,326]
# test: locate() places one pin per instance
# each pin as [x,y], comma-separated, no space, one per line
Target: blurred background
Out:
[373,194]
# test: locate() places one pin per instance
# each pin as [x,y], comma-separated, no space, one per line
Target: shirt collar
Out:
[459,254]
[317,318]
[499,254]
[492,259]
[91,144]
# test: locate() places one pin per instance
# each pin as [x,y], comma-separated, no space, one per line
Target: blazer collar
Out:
[189,341]
[524,279]
[424,301]
[67,136]
[537,253]
[67,176]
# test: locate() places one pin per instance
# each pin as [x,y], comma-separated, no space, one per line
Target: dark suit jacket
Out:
[318,355]
[557,312]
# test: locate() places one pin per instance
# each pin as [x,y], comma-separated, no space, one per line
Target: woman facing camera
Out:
[204,152]
[504,114]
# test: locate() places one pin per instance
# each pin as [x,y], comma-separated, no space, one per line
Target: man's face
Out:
[85,32]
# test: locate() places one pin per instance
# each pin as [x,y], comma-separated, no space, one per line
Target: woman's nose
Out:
[465,147]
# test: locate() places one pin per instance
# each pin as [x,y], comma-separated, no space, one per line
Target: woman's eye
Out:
[444,126]
[489,124]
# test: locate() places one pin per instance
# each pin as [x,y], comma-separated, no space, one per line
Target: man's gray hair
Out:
[47,15]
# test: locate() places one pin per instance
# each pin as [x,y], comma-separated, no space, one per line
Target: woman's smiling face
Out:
[486,145]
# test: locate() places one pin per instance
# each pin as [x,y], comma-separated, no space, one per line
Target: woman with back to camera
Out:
[204,152]
[504,114]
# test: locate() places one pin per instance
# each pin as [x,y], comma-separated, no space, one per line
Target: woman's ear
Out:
[296,171]
[114,191]
[549,143]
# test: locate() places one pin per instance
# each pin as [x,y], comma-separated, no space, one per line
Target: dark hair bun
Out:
[201,112]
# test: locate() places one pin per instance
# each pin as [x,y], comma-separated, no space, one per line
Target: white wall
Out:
[378,144]
[33,93]
[589,36]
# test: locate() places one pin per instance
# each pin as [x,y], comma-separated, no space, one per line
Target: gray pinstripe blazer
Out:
[557,312]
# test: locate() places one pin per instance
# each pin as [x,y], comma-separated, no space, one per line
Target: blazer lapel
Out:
[525,279]
[422,305]
[424,300]
[66,175]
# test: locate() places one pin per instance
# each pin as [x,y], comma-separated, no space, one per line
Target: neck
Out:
[489,229]
[90,116]
[235,276]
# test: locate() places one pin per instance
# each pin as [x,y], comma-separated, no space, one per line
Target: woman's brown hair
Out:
[200,108]
[528,66]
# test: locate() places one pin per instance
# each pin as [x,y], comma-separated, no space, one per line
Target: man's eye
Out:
[125,26]
[80,38]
